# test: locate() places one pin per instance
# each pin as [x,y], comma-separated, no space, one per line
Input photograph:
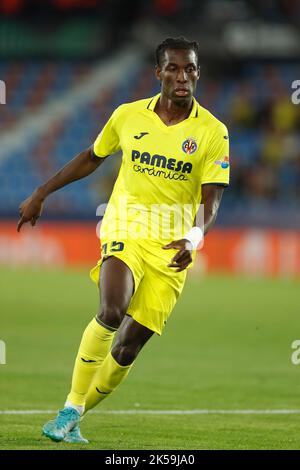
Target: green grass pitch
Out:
[227,346]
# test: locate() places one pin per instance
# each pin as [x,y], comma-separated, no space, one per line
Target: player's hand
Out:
[184,256]
[30,210]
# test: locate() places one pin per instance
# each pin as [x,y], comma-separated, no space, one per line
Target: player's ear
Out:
[158,72]
[198,72]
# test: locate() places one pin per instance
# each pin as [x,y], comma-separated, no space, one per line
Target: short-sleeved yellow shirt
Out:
[158,190]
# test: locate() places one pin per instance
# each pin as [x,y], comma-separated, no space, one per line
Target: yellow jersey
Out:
[158,189]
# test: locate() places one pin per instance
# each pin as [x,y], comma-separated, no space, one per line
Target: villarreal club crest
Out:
[189,146]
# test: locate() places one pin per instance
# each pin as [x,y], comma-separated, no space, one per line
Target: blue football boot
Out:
[75,436]
[66,420]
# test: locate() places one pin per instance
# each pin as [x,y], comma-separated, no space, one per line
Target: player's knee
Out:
[125,354]
[111,315]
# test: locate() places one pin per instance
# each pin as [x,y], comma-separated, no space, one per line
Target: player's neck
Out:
[171,112]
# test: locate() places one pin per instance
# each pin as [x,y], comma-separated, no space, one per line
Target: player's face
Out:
[178,74]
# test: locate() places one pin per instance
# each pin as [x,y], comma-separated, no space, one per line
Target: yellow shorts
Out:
[157,287]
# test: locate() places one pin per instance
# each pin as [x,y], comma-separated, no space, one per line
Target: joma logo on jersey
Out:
[161,161]
[189,146]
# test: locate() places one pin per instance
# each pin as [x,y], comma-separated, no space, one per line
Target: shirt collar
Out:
[152,103]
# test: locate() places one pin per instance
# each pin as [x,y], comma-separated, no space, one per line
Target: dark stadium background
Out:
[64,66]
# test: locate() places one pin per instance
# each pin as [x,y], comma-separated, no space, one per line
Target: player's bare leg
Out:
[116,288]
[132,336]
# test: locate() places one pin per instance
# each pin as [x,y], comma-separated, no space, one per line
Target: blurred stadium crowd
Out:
[269,10]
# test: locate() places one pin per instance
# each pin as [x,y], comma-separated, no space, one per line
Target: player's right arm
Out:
[81,166]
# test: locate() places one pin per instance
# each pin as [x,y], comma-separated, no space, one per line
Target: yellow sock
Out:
[107,378]
[94,347]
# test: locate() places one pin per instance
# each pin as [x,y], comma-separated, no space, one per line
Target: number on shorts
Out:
[117,246]
[114,246]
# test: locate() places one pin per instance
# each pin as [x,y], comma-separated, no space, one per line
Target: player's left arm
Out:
[211,199]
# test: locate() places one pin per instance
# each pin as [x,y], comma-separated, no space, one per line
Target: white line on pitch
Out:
[161,412]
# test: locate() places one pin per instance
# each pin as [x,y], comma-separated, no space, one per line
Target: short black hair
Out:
[175,43]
